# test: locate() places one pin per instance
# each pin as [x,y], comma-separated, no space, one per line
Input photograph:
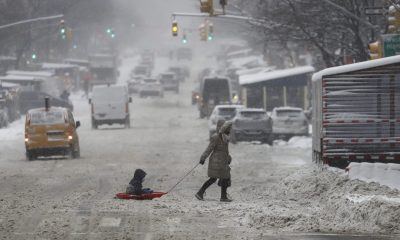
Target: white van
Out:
[110,104]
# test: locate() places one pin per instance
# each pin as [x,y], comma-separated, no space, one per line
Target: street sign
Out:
[391,44]
[374,11]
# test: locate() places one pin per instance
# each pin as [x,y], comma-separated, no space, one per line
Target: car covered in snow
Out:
[151,87]
[289,122]
[251,124]
[169,81]
[110,104]
[221,112]
[51,131]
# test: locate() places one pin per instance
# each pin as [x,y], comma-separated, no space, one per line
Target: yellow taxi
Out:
[51,131]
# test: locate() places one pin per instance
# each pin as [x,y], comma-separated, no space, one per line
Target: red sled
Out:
[144,196]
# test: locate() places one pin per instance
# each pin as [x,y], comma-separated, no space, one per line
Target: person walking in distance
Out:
[218,165]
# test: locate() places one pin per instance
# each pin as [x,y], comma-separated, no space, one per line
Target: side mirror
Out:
[130,99]
[90,101]
[77,124]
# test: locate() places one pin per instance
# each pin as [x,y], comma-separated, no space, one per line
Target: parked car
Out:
[110,104]
[34,99]
[252,124]
[151,87]
[221,112]
[289,122]
[51,131]
[169,82]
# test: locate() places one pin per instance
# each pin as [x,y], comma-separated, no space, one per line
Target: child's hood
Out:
[139,175]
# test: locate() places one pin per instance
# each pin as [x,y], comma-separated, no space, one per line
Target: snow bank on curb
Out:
[14,131]
[385,174]
[295,142]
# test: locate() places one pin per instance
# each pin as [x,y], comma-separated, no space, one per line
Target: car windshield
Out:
[288,113]
[47,118]
[108,94]
[227,112]
[253,115]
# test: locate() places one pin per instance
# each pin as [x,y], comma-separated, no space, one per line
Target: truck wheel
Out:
[269,140]
[30,156]
[76,153]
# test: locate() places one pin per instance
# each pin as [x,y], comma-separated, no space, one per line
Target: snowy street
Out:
[277,190]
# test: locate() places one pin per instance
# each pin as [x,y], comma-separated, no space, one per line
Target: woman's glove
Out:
[202,161]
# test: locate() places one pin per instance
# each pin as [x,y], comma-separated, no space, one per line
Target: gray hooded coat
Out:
[218,166]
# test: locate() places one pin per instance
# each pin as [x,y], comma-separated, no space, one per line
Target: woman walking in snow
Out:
[218,165]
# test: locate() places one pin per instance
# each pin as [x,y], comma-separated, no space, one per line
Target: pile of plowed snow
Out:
[325,201]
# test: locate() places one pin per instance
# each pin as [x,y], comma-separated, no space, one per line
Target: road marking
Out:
[110,222]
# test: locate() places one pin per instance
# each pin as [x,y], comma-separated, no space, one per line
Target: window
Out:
[50,118]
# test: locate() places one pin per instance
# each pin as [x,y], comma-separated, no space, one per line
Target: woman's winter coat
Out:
[218,166]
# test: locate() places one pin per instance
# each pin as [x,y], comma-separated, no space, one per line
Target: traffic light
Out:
[206,6]
[110,32]
[394,19]
[63,29]
[184,38]
[203,32]
[375,50]
[210,32]
[174,28]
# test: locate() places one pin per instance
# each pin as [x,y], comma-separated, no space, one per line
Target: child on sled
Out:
[135,185]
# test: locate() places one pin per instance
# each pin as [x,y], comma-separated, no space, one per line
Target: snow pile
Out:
[323,201]
[385,174]
[295,142]
[14,131]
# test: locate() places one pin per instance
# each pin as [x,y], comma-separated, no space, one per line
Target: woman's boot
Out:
[224,194]
[199,195]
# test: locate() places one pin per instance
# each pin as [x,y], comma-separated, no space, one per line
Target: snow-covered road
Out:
[278,192]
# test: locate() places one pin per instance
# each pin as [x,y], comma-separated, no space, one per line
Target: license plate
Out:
[54,137]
